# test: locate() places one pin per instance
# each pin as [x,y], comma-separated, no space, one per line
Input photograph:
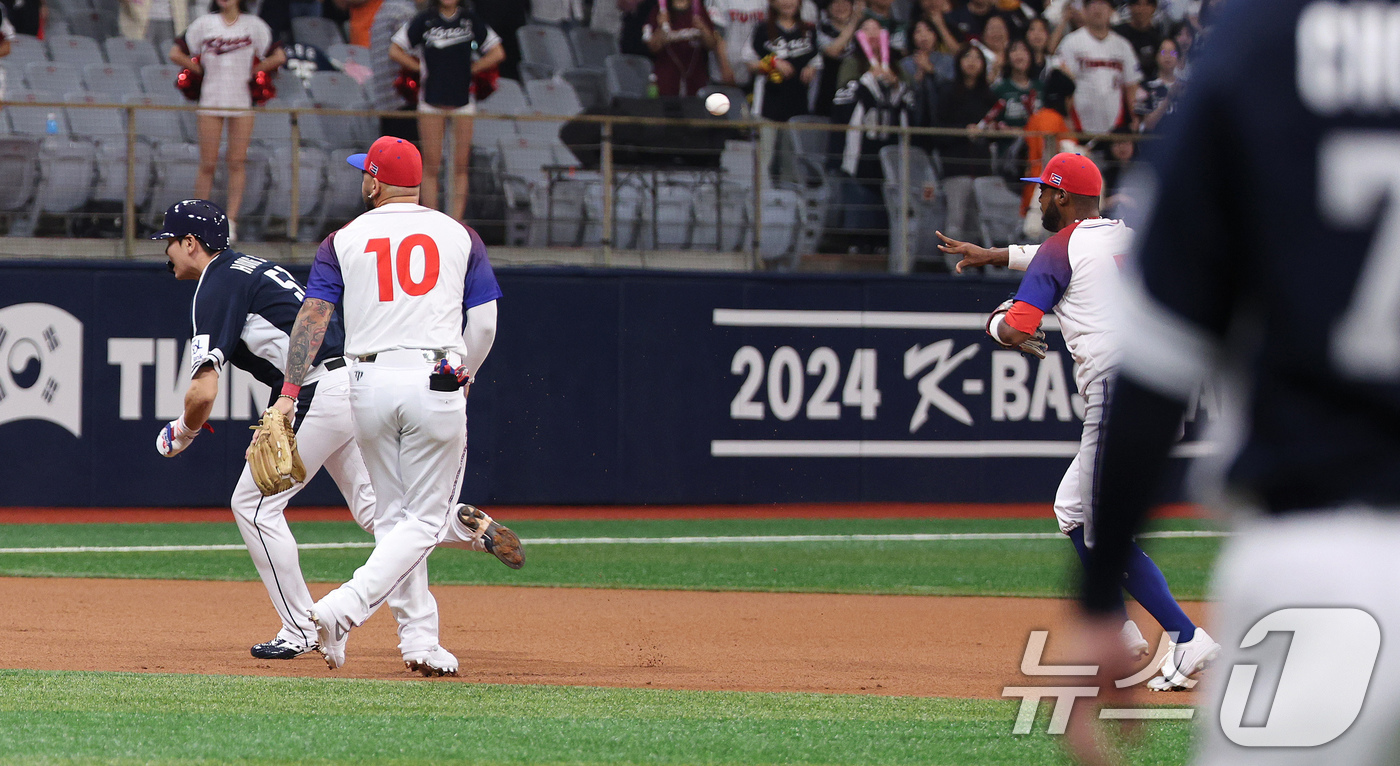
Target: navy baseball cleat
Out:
[499,541]
[280,649]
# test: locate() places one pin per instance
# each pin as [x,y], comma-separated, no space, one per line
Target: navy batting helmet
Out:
[197,217]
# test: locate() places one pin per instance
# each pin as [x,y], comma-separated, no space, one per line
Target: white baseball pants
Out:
[1075,497]
[325,436]
[414,442]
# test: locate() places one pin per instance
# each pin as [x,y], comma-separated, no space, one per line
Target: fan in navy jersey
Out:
[783,59]
[448,45]
[243,311]
[1270,260]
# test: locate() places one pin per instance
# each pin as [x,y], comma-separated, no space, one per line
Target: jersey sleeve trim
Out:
[1047,277]
[326,282]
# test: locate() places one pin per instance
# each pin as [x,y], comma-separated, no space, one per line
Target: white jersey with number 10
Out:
[403,275]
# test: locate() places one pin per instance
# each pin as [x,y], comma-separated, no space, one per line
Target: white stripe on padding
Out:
[692,540]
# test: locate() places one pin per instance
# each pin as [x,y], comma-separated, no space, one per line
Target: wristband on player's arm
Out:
[1136,439]
[1018,257]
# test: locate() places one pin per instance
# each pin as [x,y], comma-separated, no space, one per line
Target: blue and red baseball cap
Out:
[1073,173]
[392,160]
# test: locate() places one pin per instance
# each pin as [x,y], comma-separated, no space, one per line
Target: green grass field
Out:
[964,567]
[71,717]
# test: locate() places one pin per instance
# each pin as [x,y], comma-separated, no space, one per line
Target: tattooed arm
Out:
[307,334]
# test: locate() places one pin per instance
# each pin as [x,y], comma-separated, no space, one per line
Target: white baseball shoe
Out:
[1137,646]
[329,633]
[436,661]
[1184,661]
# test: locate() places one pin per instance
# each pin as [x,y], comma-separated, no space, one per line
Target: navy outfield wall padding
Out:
[603,387]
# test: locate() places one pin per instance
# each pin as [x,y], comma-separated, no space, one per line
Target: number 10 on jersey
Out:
[402,262]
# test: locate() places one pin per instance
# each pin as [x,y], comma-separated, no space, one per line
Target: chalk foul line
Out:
[690,540]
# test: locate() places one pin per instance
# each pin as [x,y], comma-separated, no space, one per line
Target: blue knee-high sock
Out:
[1076,536]
[1149,586]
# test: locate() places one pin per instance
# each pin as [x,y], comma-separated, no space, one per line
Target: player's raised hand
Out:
[972,255]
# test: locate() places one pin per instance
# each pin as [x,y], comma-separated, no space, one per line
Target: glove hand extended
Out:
[272,457]
[1035,345]
[176,436]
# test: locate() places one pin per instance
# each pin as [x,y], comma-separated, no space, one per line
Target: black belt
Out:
[368,357]
[336,363]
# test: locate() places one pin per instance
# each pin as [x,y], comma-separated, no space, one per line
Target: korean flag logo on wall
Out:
[41,366]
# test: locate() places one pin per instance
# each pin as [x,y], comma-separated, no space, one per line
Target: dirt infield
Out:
[902,645]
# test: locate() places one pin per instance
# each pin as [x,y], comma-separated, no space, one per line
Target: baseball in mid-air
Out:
[717,103]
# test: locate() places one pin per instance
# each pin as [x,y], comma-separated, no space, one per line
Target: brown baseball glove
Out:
[273,457]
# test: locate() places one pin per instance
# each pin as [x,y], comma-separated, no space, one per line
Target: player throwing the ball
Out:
[1075,274]
[409,279]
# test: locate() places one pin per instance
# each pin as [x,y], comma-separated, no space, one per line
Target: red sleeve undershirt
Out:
[1024,317]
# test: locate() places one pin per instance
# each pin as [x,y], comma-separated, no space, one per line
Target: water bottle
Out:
[51,126]
[652,90]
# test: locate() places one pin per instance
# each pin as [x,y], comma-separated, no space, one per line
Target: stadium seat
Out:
[627,76]
[132,53]
[33,120]
[343,201]
[547,45]
[343,52]
[778,224]
[99,24]
[553,97]
[592,47]
[159,78]
[721,217]
[25,49]
[92,122]
[160,126]
[310,185]
[667,211]
[53,76]
[487,133]
[557,11]
[76,50]
[998,211]
[806,161]
[590,86]
[273,129]
[174,178]
[66,171]
[526,187]
[20,171]
[292,88]
[607,17]
[509,98]
[337,90]
[927,207]
[110,185]
[529,70]
[314,30]
[111,82]
[627,213]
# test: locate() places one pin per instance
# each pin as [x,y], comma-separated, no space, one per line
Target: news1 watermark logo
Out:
[1322,679]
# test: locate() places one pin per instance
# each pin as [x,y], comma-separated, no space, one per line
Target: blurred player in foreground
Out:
[1272,260]
[243,310]
[1075,273]
[408,279]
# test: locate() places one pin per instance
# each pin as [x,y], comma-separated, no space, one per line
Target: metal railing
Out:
[785,183]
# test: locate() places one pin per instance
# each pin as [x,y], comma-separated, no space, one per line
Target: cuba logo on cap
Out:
[1056,179]
[373,169]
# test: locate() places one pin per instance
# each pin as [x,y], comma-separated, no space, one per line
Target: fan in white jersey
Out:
[407,280]
[1104,67]
[736,20]
[231,45]
[1075,274]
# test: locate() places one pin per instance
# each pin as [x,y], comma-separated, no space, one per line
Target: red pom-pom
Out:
[189,82]
[407,86]
[262,88]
